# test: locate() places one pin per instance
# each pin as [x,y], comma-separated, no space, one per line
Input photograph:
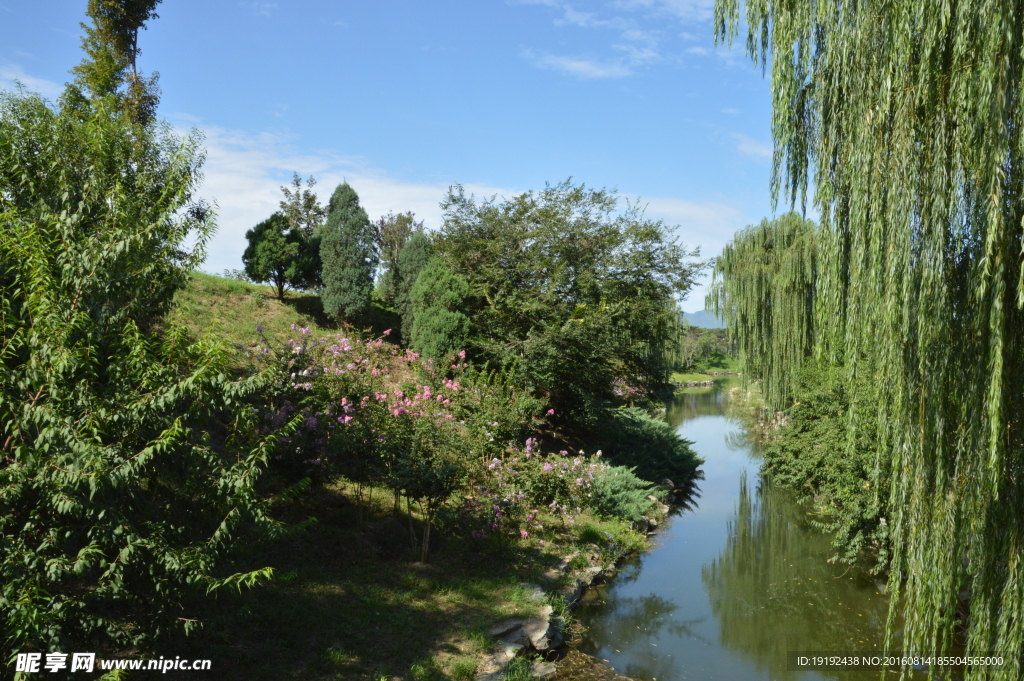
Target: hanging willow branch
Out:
[907,117]
[763,286]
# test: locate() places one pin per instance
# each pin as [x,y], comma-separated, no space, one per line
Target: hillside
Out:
[704,320]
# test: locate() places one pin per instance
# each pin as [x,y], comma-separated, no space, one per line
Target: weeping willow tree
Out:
[907,117]
[763,286]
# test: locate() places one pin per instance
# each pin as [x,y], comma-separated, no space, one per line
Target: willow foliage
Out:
[908,117]
[763,286]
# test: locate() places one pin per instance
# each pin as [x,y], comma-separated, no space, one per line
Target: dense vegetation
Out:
[907,116]
[146,454]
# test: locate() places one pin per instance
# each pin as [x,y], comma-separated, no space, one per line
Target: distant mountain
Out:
[704,320]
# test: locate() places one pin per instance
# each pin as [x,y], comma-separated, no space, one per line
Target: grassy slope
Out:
[729,364]
[230,310]
[349,600]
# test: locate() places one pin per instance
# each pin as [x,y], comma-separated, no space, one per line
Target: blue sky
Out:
[402,98]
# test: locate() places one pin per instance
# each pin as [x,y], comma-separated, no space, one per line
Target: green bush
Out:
[833,478]
[440,325]
[129,458]
[649,446]
[619,493]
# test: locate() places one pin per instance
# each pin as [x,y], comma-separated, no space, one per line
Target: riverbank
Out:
[353,602]
[356,592]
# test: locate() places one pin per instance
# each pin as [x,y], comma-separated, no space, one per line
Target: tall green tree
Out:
[393,231]
[348,250]
[305,216]
[908,117]
[568,291]
[127,458]
[274,254]
[764,286]
[440,326]
[111,46]
[414,256]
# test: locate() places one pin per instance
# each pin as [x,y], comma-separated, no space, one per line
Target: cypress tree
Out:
[440,325]
[348,252]
[413,257]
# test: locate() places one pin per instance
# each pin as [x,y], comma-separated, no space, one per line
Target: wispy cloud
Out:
[702,51]
[731,111]
[751,147]
[264,8]
[708,224]
[9,73]
[579,67]
[244,173]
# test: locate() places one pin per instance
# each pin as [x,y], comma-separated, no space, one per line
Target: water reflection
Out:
[736,582]
[773,589]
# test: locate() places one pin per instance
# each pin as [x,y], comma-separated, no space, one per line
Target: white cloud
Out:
[697,50]
[708,224]
[12,72]
[751,147]
[244,173]
[264,8]
[581,68]
[731,111]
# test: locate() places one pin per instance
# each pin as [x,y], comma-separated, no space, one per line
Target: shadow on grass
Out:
[353,605]
[312,307]
[376,321]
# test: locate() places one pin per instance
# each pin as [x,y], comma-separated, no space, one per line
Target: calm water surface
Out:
[734,582]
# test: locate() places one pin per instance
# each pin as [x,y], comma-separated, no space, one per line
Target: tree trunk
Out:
[426,535]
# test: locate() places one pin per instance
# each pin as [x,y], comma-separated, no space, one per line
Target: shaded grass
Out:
[352,603]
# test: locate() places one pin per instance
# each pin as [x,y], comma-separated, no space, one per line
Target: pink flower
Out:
[387,332]
[448,416]
[547,467]
[551,412]
[462,354]
[524,534]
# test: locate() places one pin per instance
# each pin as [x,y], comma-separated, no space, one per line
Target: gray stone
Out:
[504,628]
[533,592]
[510,650]
[542,669]
[536,631]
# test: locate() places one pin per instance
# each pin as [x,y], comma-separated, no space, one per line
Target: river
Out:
[734,582]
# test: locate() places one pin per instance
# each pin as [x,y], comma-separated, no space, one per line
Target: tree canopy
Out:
[111,46]
[274,254]
[567,290]
[907,116]
[127,459]
[348,251]
[764,285]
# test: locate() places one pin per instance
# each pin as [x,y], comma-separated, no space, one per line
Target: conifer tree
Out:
[440,325]
[348,252]
[413,257]
[111,46]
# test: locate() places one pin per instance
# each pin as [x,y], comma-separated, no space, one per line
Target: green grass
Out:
[350,603]
[230,310]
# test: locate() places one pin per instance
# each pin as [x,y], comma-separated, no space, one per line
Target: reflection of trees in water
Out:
[694,403]
[773,590]
[641,622]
